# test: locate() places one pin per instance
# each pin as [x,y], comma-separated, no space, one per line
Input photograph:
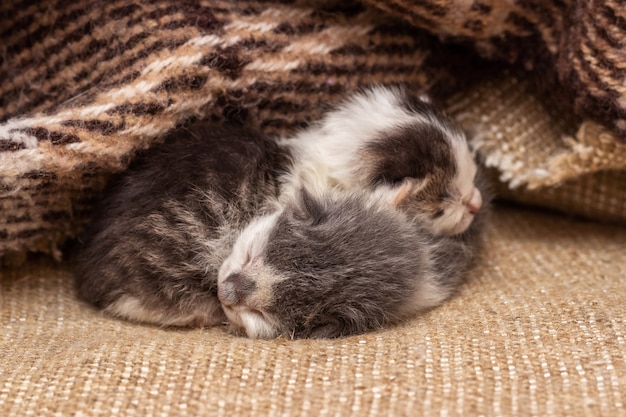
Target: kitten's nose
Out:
[475,202]
[235,289]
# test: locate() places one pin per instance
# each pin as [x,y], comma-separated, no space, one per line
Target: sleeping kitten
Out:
[168,222]
[204,205]
[389,136]
[337,264]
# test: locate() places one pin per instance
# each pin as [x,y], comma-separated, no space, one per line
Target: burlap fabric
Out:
[84,85]
[538,330]
[540,153]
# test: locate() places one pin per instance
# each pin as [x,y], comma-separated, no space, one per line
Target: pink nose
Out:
[475,202]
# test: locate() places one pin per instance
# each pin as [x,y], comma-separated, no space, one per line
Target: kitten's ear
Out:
[308,208]
[399,194]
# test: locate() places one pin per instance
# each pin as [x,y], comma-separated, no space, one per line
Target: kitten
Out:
[426,228]
[338,264]
[389,136]
[168,222]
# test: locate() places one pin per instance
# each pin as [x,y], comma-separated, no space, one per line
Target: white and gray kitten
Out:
[388,136]
[223,223]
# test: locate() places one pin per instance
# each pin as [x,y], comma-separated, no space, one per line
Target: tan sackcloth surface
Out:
[538,330]
[540,153]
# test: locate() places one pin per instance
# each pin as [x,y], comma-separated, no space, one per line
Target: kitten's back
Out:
[165,225]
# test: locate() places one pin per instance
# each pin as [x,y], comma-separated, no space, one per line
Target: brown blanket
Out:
[579,44]
[84,85]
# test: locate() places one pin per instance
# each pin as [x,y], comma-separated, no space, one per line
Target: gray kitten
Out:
[338,264]
[169,221]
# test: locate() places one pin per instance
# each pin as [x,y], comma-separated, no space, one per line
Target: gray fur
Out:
[348,266]
[169,221]
[350,270]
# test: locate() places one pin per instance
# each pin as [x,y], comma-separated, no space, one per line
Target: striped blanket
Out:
[85,85]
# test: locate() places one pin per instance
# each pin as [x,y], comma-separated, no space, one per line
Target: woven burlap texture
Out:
[538,330]
[543,154]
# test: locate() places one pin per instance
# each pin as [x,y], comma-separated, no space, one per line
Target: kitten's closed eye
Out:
[438,213]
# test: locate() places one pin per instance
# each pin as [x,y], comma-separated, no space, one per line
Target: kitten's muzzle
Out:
[235,289]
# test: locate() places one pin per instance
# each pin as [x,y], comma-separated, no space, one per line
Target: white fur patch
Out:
[328,152]
[256,327]
[466,168]
[430,294]
[457,216]
[130,308]
[247,259]
[249,245]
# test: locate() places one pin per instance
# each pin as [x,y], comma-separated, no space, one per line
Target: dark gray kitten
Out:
[170,220]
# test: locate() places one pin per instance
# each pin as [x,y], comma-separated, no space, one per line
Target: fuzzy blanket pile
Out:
[85,85]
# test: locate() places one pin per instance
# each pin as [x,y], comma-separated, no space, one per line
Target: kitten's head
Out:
[434,173]
[388,136]
[325,267]
[425,153]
